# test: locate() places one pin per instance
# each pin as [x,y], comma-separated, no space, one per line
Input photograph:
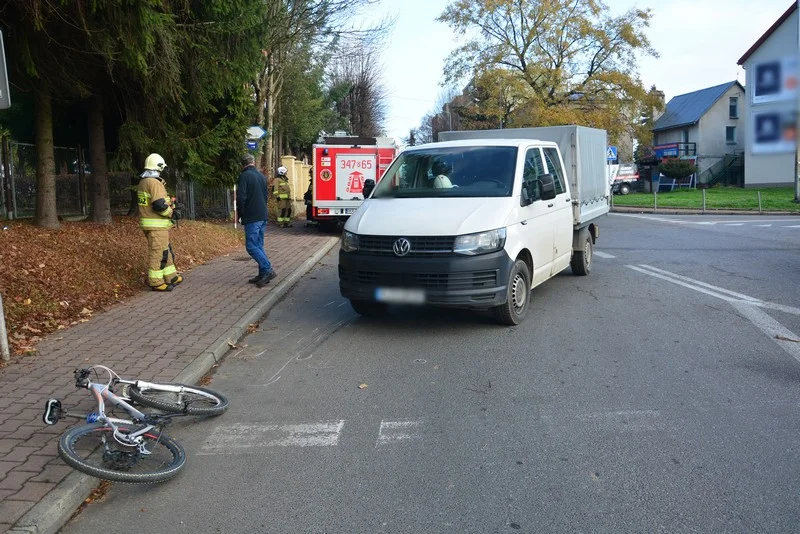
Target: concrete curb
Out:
[648,210]
[51,513]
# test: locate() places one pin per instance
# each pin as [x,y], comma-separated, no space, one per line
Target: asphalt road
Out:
[658,394]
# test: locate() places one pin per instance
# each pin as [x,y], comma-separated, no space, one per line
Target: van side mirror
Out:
[547,187]
[369,186]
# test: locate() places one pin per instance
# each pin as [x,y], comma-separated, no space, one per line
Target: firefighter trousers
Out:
[161,260]
[285,215]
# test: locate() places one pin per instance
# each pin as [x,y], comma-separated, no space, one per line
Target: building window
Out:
[730,135]
[733,107]
[685,136]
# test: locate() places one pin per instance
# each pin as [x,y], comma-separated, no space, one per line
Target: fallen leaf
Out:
[86,311]
[783,338]
[362,386]
[252,327]
[31,329]
[26,301]
[232,344]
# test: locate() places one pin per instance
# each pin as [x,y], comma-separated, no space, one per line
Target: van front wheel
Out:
[518,296]
[368,308]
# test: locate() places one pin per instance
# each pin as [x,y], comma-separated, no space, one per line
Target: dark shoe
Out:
[255,279]
[163,287]
[177,280]
[264,280]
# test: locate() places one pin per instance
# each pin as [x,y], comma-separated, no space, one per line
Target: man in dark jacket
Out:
[251,203]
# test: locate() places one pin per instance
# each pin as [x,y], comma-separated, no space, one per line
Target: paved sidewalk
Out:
[38,492]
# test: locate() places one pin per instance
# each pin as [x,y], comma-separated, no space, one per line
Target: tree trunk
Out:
[46,214]
[133,207]
[101,200]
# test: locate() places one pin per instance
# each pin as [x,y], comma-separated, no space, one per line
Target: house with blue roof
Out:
[706,127]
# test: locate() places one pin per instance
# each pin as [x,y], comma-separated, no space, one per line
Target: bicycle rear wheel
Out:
[93,449]
[191,400]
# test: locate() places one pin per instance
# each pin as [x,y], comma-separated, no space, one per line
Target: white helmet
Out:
[281,171]
[154,162]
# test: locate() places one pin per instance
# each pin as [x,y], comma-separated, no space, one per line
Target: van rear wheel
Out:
[582,259]
[518,296]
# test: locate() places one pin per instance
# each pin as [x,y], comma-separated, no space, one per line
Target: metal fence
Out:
[73,186]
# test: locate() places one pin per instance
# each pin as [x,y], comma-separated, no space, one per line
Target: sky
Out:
[699,42]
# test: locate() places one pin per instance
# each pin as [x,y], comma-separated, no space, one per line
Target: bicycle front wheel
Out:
[93,449]
[190,400]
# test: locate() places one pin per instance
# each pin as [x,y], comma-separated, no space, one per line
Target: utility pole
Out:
[797,113]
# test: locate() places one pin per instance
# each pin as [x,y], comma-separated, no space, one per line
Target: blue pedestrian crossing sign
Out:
[611,154]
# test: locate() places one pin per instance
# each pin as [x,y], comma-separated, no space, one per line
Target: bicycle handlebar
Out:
[82,377]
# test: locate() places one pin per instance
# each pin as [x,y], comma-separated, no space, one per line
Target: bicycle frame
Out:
[103,393]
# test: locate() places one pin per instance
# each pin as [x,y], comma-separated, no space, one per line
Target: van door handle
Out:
[524,222]
[568,201]
[550,205]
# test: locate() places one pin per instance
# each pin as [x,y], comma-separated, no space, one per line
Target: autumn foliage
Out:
[51,279]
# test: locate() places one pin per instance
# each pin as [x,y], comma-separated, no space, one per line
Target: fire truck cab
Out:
[341,165]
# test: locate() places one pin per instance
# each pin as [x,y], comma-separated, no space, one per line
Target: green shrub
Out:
[677,168]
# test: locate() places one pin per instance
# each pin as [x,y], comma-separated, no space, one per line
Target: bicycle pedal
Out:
[52,412]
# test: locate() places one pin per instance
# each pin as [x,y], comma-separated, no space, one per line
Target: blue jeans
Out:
[254,244]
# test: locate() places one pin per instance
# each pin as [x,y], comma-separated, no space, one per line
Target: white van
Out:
[478,221]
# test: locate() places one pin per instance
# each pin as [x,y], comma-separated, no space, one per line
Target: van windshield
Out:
[474,171]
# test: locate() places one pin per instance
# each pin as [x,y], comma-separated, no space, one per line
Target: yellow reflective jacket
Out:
[155,205]
[281,189]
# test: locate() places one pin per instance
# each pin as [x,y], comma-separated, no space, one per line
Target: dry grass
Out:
[51,279]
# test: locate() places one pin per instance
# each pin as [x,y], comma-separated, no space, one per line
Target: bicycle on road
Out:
[133,449]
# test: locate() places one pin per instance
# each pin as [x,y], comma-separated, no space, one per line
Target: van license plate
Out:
[349,211]
[400,296]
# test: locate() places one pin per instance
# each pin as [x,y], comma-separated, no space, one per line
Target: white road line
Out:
[763,225]
[779,307]
[697,285]
[603,255]
[396,431]
[795,226]
[243,437]
[748,307]
[772,328]
[734,224]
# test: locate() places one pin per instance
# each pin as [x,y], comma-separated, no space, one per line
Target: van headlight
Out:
[481,243]
[349,241]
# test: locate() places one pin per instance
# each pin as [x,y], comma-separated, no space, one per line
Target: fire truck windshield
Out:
[473,171]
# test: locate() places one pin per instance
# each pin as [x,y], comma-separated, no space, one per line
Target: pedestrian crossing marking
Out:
[241,437]
[396,431]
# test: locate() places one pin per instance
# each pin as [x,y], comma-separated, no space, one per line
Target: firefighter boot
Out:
[163,287]
[175,281]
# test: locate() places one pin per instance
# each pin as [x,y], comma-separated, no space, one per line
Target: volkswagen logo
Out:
[401,247]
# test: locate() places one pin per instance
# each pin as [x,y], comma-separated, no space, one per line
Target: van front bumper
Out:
[458,281]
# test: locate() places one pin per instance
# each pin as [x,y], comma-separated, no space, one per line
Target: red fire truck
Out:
[341,165]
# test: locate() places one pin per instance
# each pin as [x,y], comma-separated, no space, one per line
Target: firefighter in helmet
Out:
[283,194]
[156,212]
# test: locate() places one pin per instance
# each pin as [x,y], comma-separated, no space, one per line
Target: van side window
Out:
[533,167]
[554,165]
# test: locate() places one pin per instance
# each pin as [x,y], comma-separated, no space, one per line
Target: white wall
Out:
[768,169]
